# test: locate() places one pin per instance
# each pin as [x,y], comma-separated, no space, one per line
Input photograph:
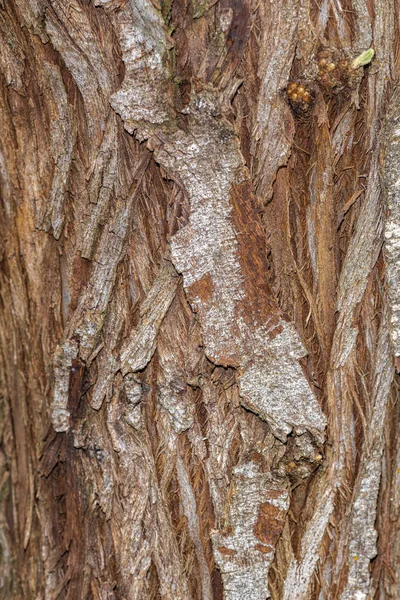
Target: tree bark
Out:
[199,317]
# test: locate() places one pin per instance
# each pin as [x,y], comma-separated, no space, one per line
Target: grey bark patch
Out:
[392,222]
[256,515]
[63,358]
[207,161]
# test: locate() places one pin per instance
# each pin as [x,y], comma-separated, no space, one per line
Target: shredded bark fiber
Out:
[199,315]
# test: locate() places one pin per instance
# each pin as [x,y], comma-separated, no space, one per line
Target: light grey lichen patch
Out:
[274,385]
[141,344]
[66,352]
[392,222]
[281,396]
[206,160]
[255,519]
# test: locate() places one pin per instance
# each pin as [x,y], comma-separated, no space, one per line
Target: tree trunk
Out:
[199,321]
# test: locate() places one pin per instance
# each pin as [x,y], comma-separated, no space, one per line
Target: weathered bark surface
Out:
[199,320]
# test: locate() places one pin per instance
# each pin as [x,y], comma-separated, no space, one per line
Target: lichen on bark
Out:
[197,320]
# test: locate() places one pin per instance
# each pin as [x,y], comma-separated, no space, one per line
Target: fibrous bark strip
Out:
[199,316]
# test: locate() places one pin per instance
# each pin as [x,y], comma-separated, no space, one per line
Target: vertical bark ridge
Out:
[197,321]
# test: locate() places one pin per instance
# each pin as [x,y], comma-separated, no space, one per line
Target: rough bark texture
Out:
[199,318]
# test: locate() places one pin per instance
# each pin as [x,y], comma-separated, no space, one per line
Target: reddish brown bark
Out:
[198,314]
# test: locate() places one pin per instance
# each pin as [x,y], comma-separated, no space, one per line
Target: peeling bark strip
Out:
[190,510]
[362,533]
[141,345]
[129,467]
[63,364]
[223,268]
[273,131]
[53,214]
[392,224]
